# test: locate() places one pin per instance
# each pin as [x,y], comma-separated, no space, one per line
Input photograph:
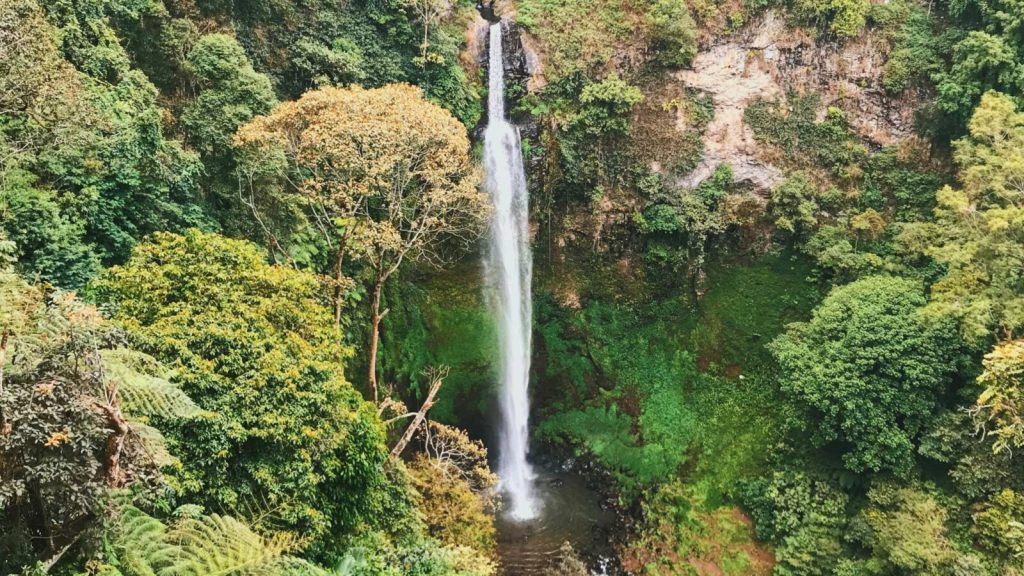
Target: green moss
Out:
[640,428]
[442,320]
[746,306]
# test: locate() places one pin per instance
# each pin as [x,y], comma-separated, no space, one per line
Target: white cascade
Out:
[509,273]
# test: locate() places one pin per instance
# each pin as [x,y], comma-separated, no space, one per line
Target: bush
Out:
[803,515]
[868,369]
[254,344]
[673,32]
[845,18]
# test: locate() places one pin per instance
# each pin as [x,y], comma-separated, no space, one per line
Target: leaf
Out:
[145,395]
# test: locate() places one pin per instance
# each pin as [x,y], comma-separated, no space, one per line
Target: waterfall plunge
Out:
[509,272]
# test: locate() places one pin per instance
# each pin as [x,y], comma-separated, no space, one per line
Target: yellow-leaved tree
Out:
[999,412]
[383,174]
[978,233]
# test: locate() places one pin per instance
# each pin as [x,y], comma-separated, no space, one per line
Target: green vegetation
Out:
[239,445]
[844,18]
[868,369]
[977,229]
[242,329]
[443,321]
[256,347]
[574,43]
[861,438]
[654,416]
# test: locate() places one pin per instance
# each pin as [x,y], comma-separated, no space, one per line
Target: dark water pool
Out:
[572,513]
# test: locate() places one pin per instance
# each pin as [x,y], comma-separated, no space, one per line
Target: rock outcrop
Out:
[769,60]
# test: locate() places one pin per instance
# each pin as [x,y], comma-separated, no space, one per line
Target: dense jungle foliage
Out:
[239,261]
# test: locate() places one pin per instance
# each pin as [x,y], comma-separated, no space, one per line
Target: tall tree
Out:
[978,233]
[383,173]
[229,93]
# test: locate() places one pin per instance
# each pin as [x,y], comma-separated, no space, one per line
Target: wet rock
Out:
[487,12]
[521,68]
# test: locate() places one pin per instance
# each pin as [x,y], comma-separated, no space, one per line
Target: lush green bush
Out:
[918,48]
[254,345]
[606,106]
[442,320]
[795,204]
[999,525]
[87,167]
[579,36]
[673,32]
[977,228]
[230,93]
[905,529]
[648,443]
[868,370]
[965,49]
[844,18]
[804,515]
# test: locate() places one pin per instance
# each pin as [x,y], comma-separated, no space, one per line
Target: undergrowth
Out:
[578,35]
[662,387]
[442,320]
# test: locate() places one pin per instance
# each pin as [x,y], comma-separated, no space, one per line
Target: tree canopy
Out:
[383,173]
[252,344]
[978,233]
[868,368]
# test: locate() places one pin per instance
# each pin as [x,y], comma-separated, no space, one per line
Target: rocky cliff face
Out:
[768,60]
[521,61]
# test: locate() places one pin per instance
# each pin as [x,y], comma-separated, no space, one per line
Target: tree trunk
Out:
[115,442]
[423,47]
[375,318]
[339,260]
[435,385]
[337,285]
[115,445]
[39,519]
[3,362]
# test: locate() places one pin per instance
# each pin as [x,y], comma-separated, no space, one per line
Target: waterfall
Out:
[509,272]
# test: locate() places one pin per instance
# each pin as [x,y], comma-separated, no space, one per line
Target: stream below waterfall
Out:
[571,511]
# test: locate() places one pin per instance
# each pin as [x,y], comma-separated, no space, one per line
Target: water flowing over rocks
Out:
[509,273]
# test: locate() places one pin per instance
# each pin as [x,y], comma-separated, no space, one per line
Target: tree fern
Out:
[143,388]
[153,444]
[142,539]
[211,545]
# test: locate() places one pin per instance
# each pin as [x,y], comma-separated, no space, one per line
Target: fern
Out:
[153,444]
[142,539]
[211,545]
[143,388]
[221,545]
